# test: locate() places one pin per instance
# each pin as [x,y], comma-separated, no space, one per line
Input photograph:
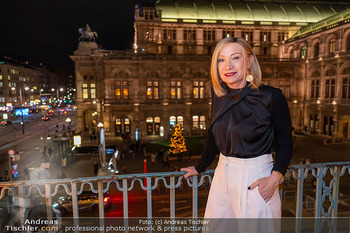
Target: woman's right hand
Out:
[191,171]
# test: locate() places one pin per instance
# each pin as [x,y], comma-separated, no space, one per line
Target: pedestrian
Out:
[50,151]
[166,160]
[160,154]
[305,128]
[153,158]
[95,168]
[247,117]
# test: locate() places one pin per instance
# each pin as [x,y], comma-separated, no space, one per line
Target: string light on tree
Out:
[177,141]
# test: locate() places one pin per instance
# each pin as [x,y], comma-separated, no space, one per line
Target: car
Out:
[87,201]
[45,118]
[50,112]
[6,123]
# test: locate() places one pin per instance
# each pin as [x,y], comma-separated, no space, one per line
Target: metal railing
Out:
[22,190]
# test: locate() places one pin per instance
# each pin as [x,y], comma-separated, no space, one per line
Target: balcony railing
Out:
[326,177]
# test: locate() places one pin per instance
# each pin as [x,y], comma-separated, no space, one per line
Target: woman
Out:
[247,117]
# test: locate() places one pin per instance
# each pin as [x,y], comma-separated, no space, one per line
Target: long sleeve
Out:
[282,126]
[209,153]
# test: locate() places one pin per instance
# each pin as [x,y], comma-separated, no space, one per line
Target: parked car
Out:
[87,201]
[45,118]
[6,123]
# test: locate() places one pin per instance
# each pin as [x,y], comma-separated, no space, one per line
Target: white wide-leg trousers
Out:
[229,196]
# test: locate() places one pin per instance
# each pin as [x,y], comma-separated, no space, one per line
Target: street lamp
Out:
[20,97]
[68,120]
[100,125]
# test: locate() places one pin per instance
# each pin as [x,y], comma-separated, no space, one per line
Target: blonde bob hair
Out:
[247,52]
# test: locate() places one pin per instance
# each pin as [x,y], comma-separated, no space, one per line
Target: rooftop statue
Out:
[86,34]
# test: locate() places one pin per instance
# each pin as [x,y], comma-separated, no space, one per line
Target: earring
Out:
[249,77]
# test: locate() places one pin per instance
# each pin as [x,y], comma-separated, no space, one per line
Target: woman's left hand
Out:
[267,185]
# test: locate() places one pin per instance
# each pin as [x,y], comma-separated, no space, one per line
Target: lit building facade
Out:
[166,78]
[324,48]
[19,84]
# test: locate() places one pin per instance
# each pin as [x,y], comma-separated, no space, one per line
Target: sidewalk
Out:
[83,166]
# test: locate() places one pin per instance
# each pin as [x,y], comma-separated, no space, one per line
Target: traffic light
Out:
[14,166]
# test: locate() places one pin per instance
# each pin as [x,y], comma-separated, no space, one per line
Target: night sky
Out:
[47,31]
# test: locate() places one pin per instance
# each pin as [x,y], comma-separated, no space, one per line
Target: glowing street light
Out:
[100,125]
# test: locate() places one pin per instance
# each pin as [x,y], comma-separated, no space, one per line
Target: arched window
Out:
[303,52]
[118,127]
[149,122]
[291,55]
[202,123]
[156,125]
[180,120]
[195,123]
[172,121]
[127,125]
[332,46]
[316,50]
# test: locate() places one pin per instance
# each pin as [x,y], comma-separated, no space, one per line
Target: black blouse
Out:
[245,124]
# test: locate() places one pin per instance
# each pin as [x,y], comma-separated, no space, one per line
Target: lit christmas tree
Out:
[177,141]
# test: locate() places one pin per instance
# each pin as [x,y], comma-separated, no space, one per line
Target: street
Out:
[30,145]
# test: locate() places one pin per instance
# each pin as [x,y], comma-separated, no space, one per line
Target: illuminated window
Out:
[175,90]
[121,90]
[1,84]
[332,46]
[118,90]
[195,122]
[85,91]
[92,90]
[247,35]
[85,94]
[202,123]
[125,90]
[172,121]
[127,125]
[9,77]
[180,120]
[0,76]
[198,90]
[93,93]
[265,36]
[228,33]
[152,90]
[303,52]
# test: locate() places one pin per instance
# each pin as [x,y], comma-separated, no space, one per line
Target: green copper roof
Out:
[273,11]
[333,21]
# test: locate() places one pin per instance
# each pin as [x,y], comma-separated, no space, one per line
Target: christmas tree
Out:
[177,141]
